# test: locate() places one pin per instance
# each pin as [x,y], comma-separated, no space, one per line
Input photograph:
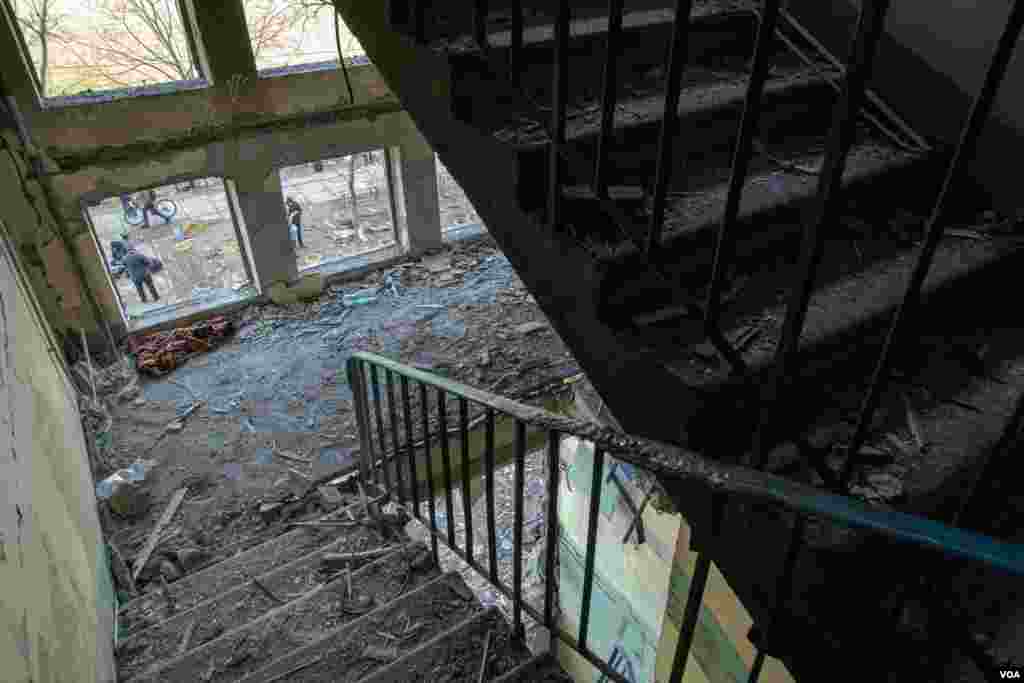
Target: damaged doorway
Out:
[345,207]
[189,231]
[458,216]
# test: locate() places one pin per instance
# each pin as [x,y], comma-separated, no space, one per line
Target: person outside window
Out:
[294,212]
[150,206]
[139,270]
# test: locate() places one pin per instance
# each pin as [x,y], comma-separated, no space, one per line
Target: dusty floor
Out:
[281,383]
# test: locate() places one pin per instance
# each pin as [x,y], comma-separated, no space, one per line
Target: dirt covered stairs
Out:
[347,597]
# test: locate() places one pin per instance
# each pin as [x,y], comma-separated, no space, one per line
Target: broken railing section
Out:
[670,465]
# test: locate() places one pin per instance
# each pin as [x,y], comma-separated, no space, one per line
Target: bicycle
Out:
[134,215]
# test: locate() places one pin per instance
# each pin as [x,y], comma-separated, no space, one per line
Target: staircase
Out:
[275,613]
[725,225]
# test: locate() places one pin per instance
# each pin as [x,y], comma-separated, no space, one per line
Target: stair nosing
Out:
[264,578]
[486,613]
[159,667]
[208,570]
[366,618]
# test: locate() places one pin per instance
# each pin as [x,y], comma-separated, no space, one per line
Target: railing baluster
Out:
[431,495]
[515,52]
[446,465]
[380,428]
[414,485]
[783,590]
[688,627]
[492,537]
[560,95]
[591,556]
[480,22]
[389,386]
[844,126]
[612,48]
[550,551]
[980,111]
[467,508]
[669,122]
[356,382]
[517,529]
[725,245]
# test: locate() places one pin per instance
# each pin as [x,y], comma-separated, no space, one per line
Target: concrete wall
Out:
[238,125]
[641,589]
[943,49]
[56,600]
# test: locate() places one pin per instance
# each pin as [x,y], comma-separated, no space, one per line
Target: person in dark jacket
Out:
[294,212]
[138,267]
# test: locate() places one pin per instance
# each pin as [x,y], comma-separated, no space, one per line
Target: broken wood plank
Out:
[266,591]
[483,661]
[154,535]
[187,638]
[290,672]
[121,571]
[338,561]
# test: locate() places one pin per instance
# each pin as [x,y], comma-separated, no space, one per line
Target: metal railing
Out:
[854,94]
[394,463]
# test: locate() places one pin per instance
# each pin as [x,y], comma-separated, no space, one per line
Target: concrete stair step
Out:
[718,39]
[846,323]
[457,655]
[770,225]
[540,669]
[452,20]
[293,626]
[225,575]
[242,604]
[796,103]
[351,652]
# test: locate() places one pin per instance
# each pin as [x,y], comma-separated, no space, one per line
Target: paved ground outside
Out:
[456,209]
[206,264]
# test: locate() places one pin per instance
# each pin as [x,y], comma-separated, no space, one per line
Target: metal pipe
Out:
[374,383]
[431,495]
[393,412]
[560,98]
[725,245]
[492,535]
[670,120]
[588,567]
[980,111]
[826,207]
[550,555]
[446,466]
[355,380]
[467,507]
[612,49]
[517,529]
[413,470]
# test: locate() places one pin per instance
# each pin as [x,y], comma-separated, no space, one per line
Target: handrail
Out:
[677,463]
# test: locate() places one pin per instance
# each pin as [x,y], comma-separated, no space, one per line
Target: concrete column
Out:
[264,228]
[221,31]
[418,195]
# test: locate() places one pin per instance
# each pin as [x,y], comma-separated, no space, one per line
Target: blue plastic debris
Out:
[264,456]
[233,470]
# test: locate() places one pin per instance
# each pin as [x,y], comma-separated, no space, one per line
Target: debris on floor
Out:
[159,353]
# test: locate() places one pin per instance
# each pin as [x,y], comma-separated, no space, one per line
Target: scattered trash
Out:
[330,497]
[340,561]
[914,424]
[154,535]
[437,263]
[191,559]
[159,353]
[305,288]
[268,512]
[387,653]
[175,426]
[529,328]
[880,486]
[233,471]
[123,490]
[363,296]
[170,571]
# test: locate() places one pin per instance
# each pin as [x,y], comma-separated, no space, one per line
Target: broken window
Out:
[83,46]
[286,33]
[457,212]
[338,207]
[188,233]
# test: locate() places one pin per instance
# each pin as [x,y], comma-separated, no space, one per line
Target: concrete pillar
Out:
[264,228]
[212,21]
[418,194]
